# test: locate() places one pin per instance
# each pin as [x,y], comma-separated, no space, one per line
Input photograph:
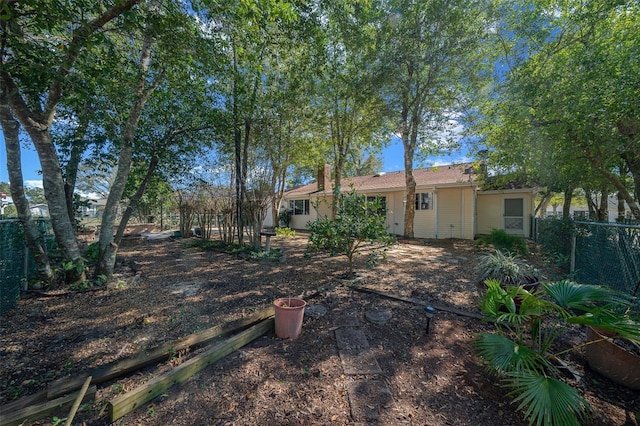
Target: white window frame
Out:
[304,209]
[420,202]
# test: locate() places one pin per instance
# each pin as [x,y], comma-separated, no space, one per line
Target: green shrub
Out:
[91,254]
[358,228]
[272,255]
[500,240]
[285,232]
[284,218]
[554,236]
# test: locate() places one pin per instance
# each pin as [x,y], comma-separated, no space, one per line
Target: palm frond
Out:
[547,401]
[504,355]
[582,297]
[621,327]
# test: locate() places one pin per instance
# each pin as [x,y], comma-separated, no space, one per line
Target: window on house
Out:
[424,201]
[514,215]
[382,203]
[299,207]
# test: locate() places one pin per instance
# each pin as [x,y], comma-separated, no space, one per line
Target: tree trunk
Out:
[544,202]
[71,169]
[54,191]
[603,209]
[591,205]
[634,167]
[243,180]
[10,130]
[107,246]
[409,140]
[566,207]
[133,201]
[410,205]
[409,122]
[621,209]
[337,175]
[278,190]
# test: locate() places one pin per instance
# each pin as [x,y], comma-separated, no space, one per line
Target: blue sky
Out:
[30,165]
[393,157]
[393,161]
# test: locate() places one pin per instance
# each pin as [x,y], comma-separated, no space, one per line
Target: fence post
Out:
[25,279]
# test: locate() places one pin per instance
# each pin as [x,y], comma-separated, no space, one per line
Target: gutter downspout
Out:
[437,211]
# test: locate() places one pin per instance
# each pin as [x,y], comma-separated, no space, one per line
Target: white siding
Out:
[455,210]
[424,224]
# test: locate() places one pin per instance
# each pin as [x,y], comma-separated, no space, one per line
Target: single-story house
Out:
[448,202]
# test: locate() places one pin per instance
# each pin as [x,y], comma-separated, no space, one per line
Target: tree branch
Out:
[78,41]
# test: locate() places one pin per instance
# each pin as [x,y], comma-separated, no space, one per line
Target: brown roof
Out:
[432,176]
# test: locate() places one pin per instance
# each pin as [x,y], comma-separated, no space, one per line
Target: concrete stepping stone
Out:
[186,289]
[355,352]
[349,339]
[315,311]
[378,317]
[371,402]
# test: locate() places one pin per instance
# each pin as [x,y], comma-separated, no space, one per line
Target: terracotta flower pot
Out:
[289,314]
[612,360]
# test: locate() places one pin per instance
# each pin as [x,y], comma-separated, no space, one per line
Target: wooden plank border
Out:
[38,411]
[416,301]
[126,403]
[142,359]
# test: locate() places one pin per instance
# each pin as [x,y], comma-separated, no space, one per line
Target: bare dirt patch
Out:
[432,379]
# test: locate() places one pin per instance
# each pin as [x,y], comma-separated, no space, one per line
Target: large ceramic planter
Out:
[289,315]
[612,360]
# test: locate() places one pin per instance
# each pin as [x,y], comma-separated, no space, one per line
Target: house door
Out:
[513,217]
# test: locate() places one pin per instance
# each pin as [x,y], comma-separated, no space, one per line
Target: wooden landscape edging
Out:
[38,411]
[25,401]
[126,403]
[143,359]
[416,301]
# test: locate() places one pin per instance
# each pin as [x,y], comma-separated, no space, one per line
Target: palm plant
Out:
[521,351]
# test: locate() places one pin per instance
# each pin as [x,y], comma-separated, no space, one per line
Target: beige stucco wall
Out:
[491,208]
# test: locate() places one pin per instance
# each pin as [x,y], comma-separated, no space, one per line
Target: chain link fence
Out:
[593,252]
[16,261]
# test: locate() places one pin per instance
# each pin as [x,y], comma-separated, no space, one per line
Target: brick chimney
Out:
[324,178]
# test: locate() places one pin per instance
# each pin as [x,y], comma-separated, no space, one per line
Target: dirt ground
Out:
[164,291]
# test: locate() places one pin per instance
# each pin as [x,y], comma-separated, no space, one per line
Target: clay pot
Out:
[289,314]
[612,360]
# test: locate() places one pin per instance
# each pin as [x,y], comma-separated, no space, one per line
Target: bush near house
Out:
[358,228]
[500,240]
